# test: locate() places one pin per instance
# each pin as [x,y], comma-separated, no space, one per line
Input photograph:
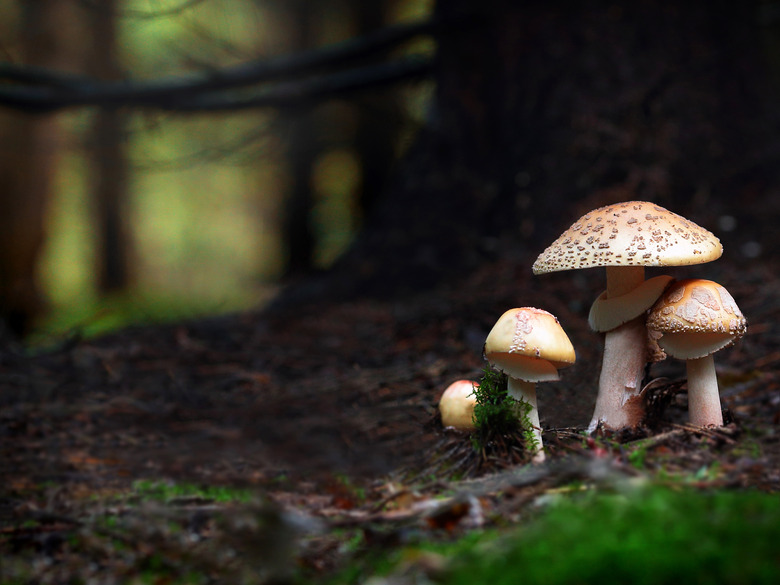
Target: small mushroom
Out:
[624,238]
[456,405]
[697,318]
[529,346]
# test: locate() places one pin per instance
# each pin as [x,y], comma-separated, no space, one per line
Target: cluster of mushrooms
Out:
[643,320]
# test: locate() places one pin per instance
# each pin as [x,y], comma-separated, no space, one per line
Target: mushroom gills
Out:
[692,345]
[526,368]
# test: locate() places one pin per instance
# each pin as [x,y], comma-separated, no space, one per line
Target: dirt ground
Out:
[301,403]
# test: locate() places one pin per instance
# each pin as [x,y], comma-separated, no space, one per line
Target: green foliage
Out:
[498,414]
[652,536]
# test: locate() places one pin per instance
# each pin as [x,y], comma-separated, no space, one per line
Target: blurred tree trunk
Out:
[109,172]
[300,129]
[370,129]
[379,118]
[29,145]
[543,112]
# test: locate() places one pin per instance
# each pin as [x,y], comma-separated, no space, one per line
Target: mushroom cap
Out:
[529,344]
[631,233]
[456,405]
[697,318]
[654,352]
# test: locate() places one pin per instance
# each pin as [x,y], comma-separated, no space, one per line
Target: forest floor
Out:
[251,443]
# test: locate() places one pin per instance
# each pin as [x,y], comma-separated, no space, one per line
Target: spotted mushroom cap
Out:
[696,317]
[631,233]
[529,344]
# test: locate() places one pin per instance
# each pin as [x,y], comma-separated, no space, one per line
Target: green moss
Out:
[493,410]
[496,414]
[653,537]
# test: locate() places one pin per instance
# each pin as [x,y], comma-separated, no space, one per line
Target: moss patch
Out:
[655,536]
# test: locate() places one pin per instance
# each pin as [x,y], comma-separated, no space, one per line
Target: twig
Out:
[654,441]
[710,432]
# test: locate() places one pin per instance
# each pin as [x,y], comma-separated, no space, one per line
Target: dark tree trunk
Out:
[29,147]
[370,128]
[542,113]
[109,192]
[109,164]
[298,230]
[379,119]
[302,147]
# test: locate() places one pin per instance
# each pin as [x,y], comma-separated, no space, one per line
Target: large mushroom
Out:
[697,318]
[529,345]
[624,238]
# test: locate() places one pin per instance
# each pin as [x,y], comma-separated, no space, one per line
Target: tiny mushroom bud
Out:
[697,318]
[624,238]
[529,346]
[456,405]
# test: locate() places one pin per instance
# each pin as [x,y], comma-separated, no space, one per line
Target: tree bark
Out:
[29,147]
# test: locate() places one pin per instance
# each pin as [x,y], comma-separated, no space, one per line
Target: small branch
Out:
[41,76]
[296,93]
[43,90]
[288,94]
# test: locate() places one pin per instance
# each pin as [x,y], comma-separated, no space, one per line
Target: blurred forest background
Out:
[474,124]
[120,214]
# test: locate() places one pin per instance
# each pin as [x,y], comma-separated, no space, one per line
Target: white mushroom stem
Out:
[703,398]
[618,404]
[526,392]
[623,279]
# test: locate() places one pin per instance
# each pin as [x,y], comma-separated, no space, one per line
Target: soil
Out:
[330,408]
